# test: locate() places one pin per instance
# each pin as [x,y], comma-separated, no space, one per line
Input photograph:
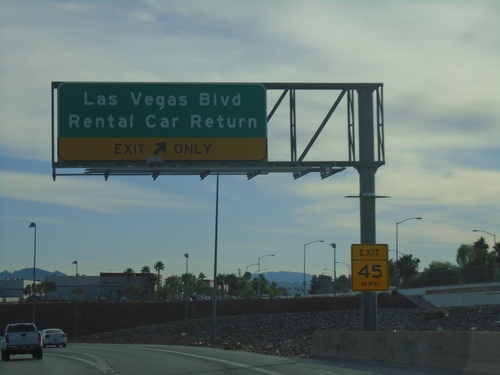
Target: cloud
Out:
[438,62]
[85,194]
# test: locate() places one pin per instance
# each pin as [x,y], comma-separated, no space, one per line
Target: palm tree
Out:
[158,266]
[232,283]
[149,281]
[129,272]
[172,285]
[408,266]
[201,287]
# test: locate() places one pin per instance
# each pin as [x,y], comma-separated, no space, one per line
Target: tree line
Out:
[175,287]
[475,263]
[188,285]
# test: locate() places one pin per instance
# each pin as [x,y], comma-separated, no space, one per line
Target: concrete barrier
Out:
[458,295]
[461,352]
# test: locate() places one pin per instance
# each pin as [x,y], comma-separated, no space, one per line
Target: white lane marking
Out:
[223,361]
[97,362]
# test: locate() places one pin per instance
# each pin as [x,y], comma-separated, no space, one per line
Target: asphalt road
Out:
[85,359]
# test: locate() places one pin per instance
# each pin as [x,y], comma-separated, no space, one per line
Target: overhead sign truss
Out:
[196,128]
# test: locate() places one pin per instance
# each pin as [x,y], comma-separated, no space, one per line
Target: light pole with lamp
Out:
[186,285]
[397,252]
[329,269]
[258,273]
[345,264]
[497,250]
[348,269]
[334,245]
[76,298]
[33,225]
[246,271]
[491,234]
[250,265]
[304,274]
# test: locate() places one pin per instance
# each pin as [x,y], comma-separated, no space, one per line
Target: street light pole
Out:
[345,264]
[397,252]
[491,234]
[246,270]
[216,245]
[258,273]
[334,245]
[33,225]
[250,265]
[76,298]
[348,269]
[186,285]
[304,274]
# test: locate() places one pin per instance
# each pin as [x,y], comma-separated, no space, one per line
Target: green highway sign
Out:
[195,121]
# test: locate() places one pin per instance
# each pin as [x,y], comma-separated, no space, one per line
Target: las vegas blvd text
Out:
[162,102]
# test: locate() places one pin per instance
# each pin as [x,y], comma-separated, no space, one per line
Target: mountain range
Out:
[27,274]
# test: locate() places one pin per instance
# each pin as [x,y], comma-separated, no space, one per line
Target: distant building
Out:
[112,286]
[106,286]
[118,285]
[66,284]
[13,289]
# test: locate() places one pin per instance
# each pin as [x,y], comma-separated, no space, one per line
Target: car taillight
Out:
[7,338]
[39,336]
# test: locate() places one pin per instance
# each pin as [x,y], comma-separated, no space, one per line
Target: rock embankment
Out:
[290,334]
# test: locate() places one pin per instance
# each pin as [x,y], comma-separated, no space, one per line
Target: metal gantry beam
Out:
[350,125]
[297,165]
[293,127]
[380,124]
[325,169]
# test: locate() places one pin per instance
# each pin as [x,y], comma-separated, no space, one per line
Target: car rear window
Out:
[22,328]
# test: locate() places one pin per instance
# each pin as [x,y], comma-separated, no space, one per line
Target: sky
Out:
[439,64]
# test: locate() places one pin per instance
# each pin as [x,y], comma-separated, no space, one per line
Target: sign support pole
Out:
[367,195]
[214,296]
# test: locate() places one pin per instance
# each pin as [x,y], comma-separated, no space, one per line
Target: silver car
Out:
[54,336]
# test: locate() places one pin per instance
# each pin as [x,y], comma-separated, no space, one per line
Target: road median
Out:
[462,352]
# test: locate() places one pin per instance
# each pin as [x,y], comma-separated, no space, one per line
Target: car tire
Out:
[5,356]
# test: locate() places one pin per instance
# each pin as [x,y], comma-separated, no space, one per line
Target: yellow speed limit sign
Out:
[370,267]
